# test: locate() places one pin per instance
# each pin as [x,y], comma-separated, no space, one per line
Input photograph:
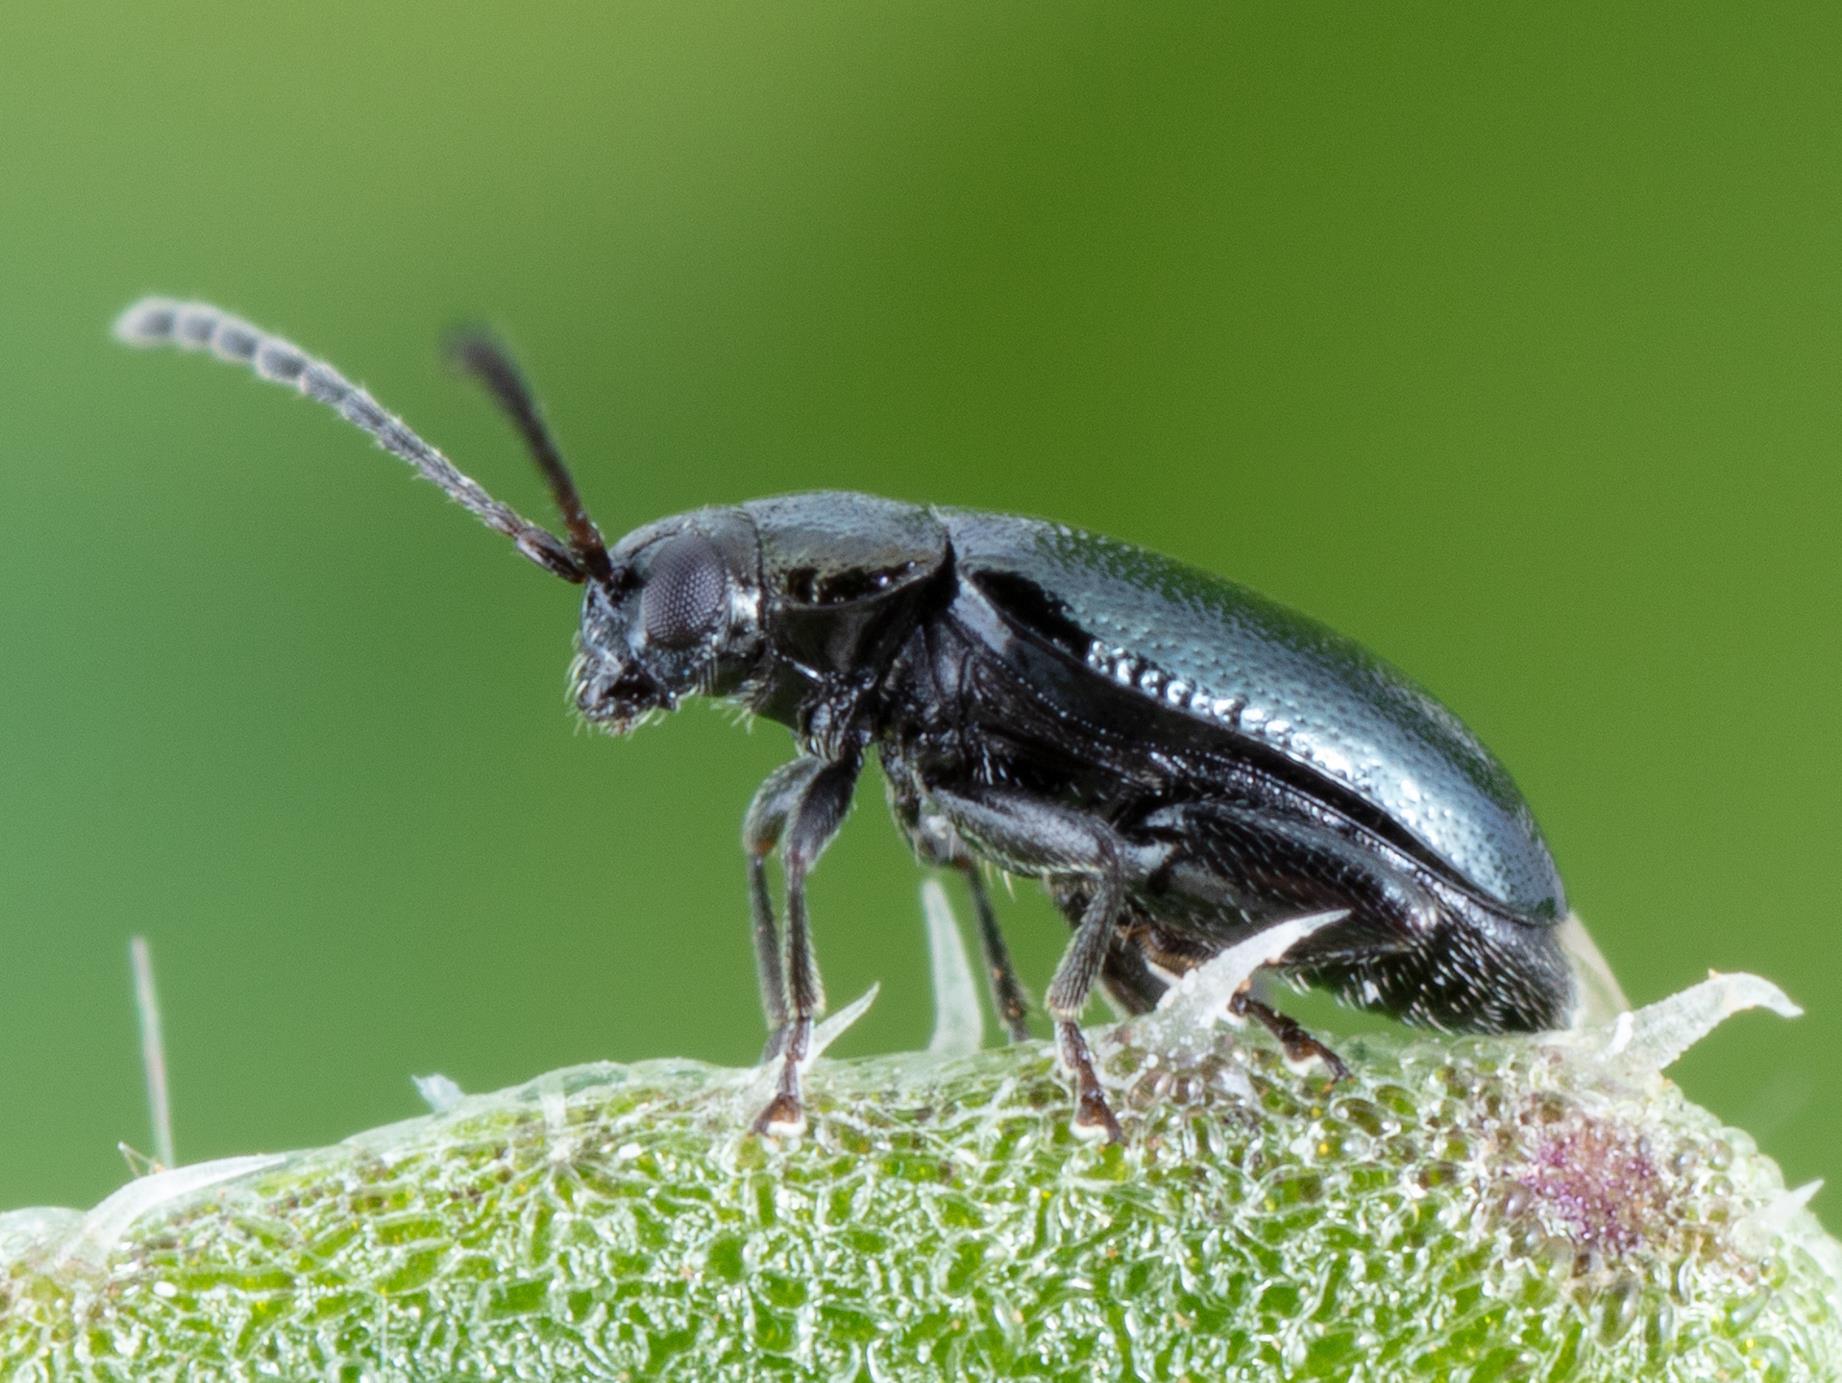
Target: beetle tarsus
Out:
[1299,1045]
[1093,1117]
[784,1117]
[1094,1120]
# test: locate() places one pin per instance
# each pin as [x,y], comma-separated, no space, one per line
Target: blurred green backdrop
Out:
[1507,340]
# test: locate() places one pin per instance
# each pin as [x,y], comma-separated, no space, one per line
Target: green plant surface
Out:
[1485,1208]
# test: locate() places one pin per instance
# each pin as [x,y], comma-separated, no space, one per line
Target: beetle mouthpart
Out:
[618,699]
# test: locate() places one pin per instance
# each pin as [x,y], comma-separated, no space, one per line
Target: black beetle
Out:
[1181,761]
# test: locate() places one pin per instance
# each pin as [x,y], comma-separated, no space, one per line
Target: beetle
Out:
[1179,760]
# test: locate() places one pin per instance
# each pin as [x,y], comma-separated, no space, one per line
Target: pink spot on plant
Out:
[1598,1181]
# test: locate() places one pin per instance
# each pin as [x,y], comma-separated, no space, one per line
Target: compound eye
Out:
[685,592]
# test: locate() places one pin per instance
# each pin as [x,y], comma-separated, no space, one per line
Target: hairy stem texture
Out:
[1456,1209]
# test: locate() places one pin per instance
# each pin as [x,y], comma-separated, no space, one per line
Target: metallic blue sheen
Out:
[1210,648]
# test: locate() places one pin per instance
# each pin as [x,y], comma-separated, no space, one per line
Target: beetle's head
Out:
[672,610]
[677,615]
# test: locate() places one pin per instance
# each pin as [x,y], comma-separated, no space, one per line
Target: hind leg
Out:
[1236,867]
[1413,946]
[1299,1045]
[1130,982]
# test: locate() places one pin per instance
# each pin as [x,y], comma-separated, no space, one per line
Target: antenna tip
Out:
[463,343]
[148,322]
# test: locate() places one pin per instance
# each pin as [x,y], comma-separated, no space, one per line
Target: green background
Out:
[1503,338]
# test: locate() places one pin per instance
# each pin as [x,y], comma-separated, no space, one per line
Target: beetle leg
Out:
[936,843]
[1299,1044]
[1006,990]
[815,803]
[1068,991]
[761,828]
[1128,978]
[1034,837]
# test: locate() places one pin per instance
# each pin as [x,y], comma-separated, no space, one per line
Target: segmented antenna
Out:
[199,326]
[481,356]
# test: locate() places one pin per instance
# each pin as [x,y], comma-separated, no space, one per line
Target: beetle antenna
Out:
[199,326]
[476,351]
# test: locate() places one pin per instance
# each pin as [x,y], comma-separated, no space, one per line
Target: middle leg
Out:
[1007,995]
[935,842]
[1030,836]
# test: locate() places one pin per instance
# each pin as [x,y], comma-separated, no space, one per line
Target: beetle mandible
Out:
[1180,761]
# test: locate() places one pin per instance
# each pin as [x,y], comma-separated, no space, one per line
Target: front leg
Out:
[831,724]
[1030,836]
[800,807]
[762,826]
